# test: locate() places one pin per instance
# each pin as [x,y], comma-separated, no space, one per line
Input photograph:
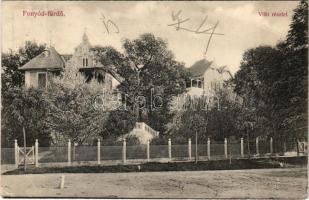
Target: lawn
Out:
[253,183]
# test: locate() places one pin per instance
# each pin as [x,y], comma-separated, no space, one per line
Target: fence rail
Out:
[146,153]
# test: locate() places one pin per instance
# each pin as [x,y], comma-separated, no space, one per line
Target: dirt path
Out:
[262,183]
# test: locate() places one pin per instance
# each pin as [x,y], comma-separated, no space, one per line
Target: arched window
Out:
[85,62]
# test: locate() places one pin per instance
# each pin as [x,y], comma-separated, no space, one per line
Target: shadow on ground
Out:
[258,163]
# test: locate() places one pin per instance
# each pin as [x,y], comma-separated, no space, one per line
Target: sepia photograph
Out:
[154,99]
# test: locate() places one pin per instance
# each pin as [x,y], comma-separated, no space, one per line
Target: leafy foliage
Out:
[273,81]
[298,34]
[216,118]
[119,123]
[74,115]
[149,70]
[26,108]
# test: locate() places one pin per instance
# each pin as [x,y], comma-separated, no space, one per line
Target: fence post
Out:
[169,149]
[189,149]
[271,146]
[257,146]
[69,152]
[242,147]
[73,158]
[208,148]
[148,152]
[99,151]
[36,152]
[16,153]
[225,148]
[33,154]
[124,151]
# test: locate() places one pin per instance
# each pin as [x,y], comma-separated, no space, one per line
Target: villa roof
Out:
[48,59]
[199,67]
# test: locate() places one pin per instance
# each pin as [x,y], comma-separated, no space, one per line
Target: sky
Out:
[239,21]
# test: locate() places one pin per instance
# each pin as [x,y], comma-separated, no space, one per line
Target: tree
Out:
[149,70]
[119,123]
[11,76]
[156,73]
[255,83]
[296,68]
[216,118]
[297,36]
[24,108]
[273,81]
[73,114]
[225,120]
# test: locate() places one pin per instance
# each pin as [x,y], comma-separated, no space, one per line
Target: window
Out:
[194,83]
[42,80]
[85,62]
[199,84]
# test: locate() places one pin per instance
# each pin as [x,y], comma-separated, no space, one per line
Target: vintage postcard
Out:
[154,99]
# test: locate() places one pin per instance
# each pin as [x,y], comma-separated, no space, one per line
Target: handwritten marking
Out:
[176,17]
[109,25]
[199,30]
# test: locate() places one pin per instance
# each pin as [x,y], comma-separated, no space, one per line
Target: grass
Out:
[172,166]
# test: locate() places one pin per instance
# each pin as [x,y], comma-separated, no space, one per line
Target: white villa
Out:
[40,69]
[206,78]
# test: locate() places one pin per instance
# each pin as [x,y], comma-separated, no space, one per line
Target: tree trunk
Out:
[248,140]
[274,135]
[195,147]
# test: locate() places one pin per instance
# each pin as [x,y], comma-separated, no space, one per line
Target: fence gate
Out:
[29,155]
[303,147]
